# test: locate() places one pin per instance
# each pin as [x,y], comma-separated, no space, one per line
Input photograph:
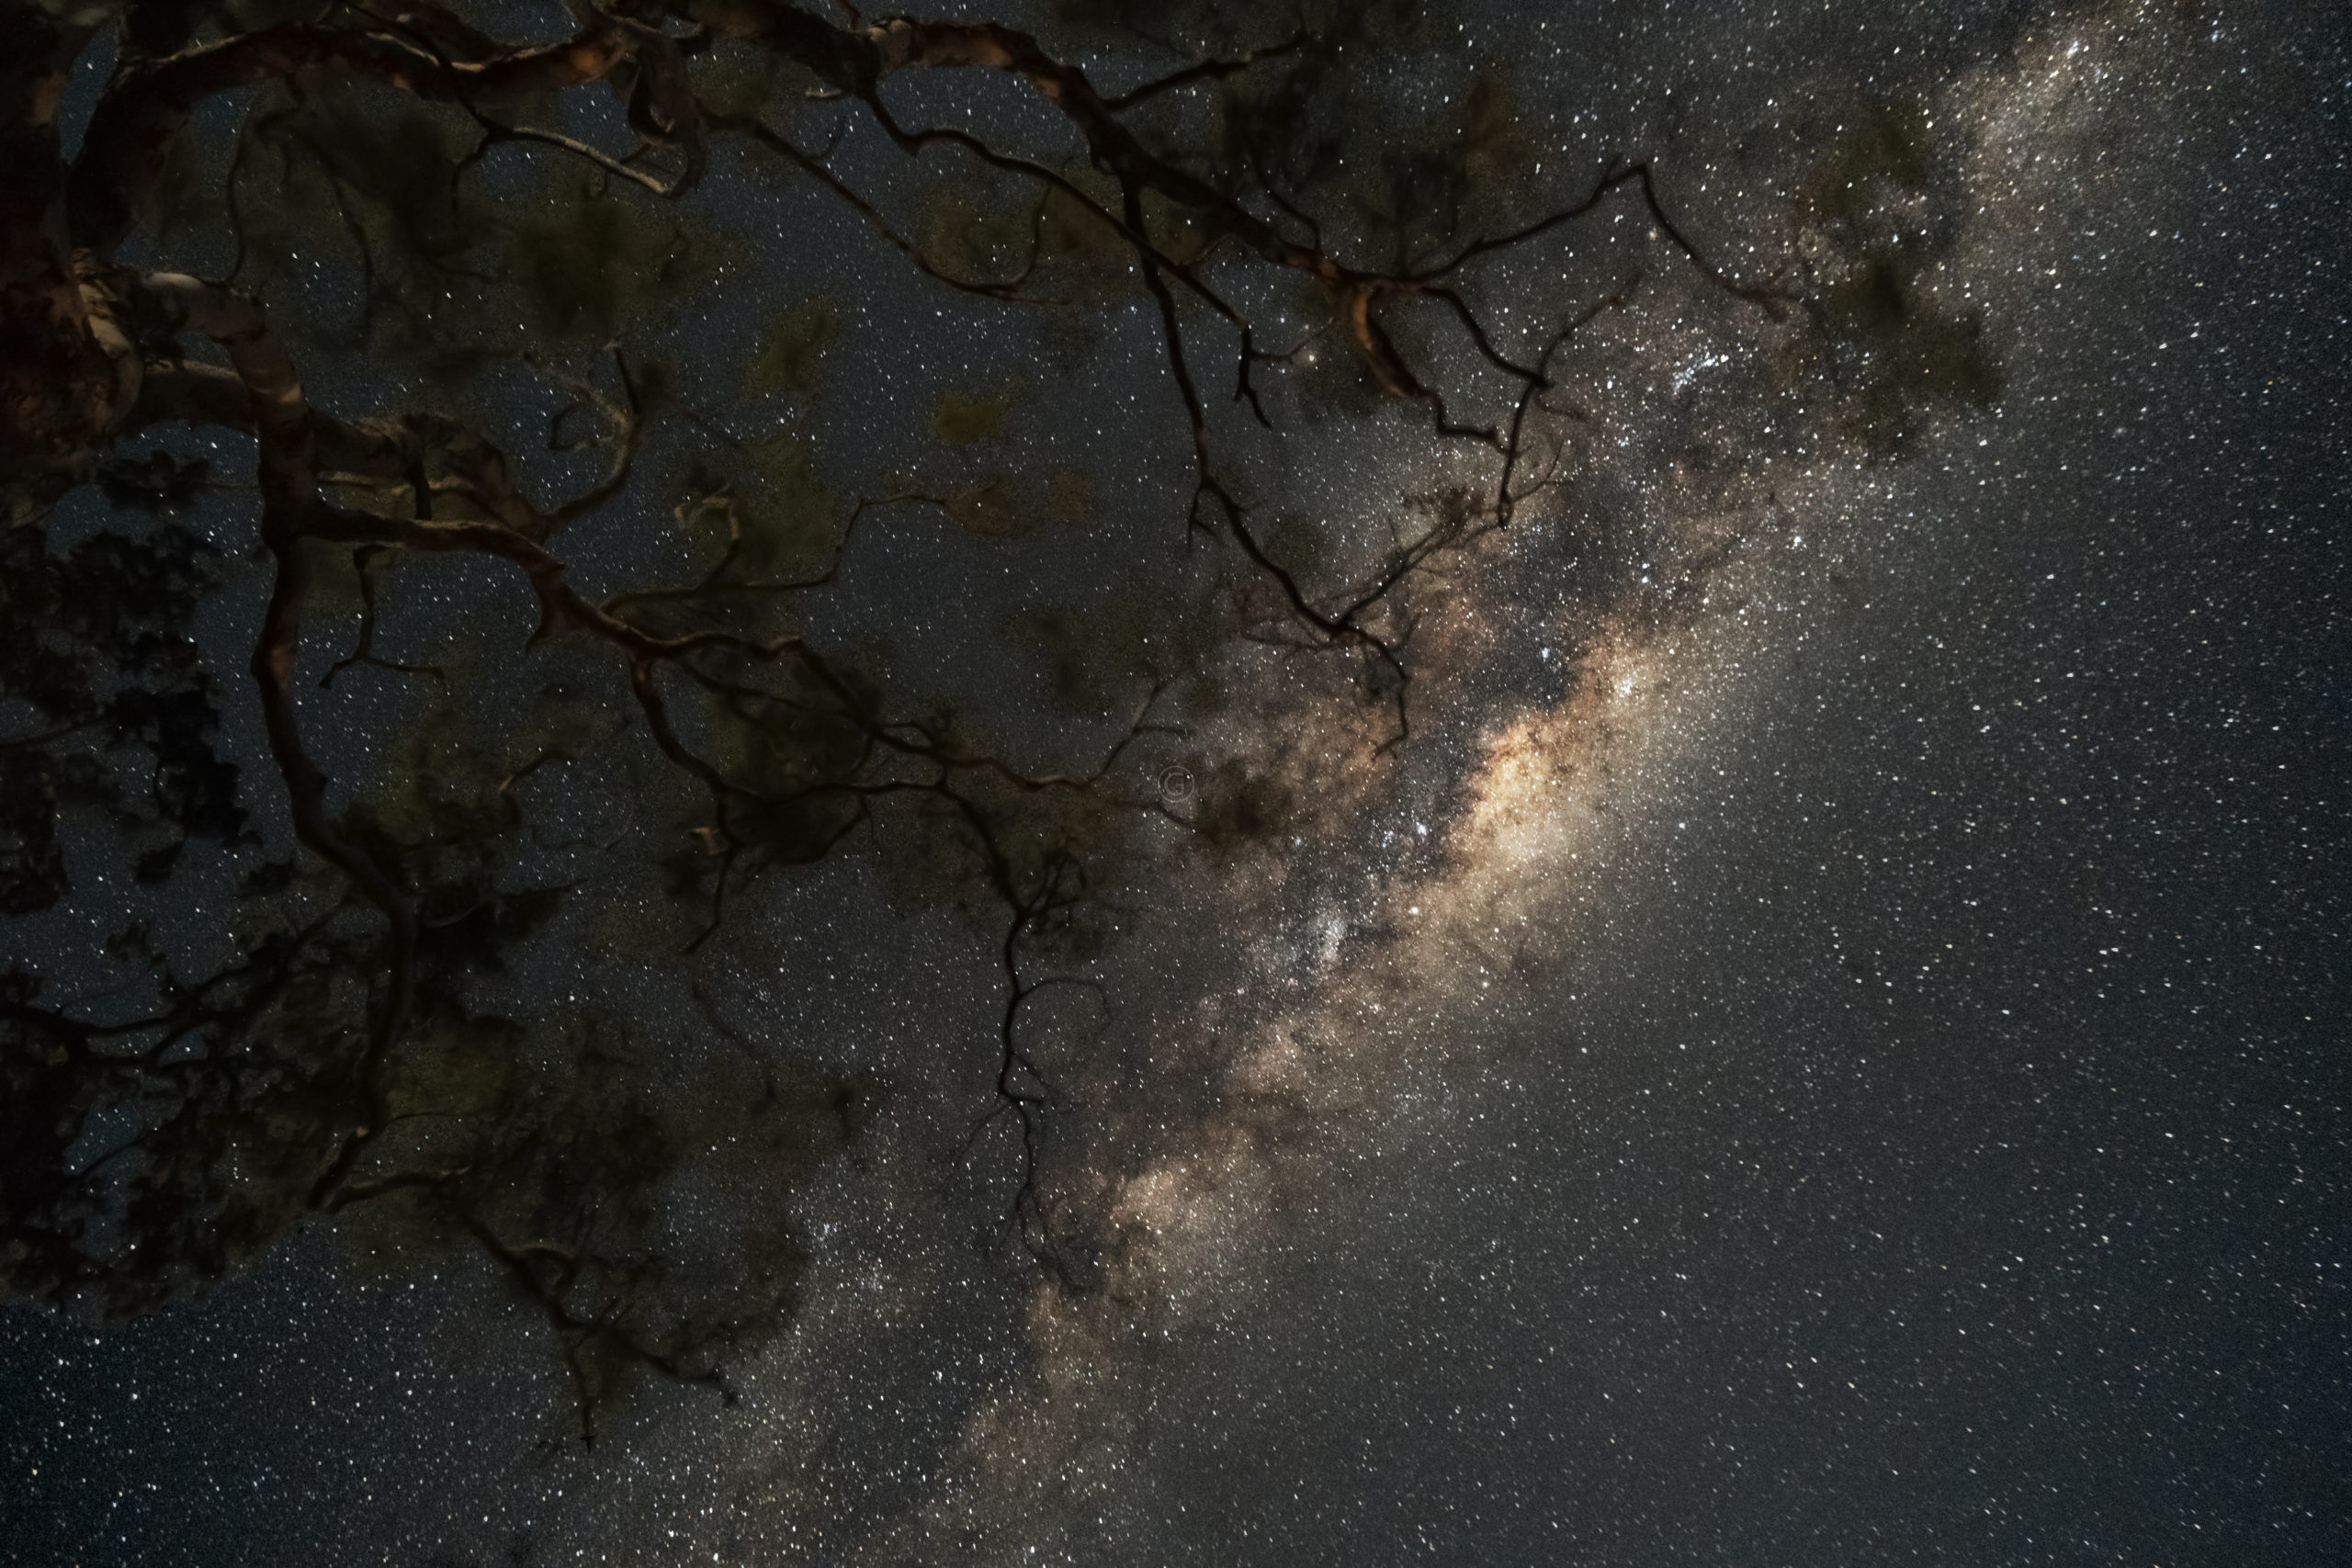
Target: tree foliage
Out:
[373,246]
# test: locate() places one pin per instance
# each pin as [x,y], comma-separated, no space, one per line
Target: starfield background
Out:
[1660,877]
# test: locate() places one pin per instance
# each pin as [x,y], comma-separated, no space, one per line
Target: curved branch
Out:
[113,185]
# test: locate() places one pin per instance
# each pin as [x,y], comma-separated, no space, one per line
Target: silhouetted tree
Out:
[466,218]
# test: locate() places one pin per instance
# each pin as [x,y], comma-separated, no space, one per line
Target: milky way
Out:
[1825,1045]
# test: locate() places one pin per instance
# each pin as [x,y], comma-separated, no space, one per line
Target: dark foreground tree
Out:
[355,733]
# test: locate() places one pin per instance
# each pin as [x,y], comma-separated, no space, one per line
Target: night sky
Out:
[1827,1044]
